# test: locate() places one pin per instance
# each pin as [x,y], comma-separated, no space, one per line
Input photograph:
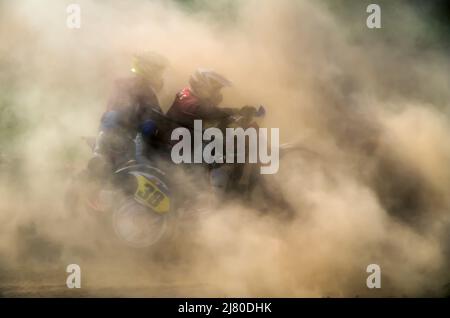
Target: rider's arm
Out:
[206,112]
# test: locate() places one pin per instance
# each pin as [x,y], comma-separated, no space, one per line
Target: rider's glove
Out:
[249,111]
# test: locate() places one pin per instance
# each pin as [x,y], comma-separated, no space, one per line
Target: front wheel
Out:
[138,226]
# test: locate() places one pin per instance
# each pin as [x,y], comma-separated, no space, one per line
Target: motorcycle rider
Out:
[201,101]
[130,113]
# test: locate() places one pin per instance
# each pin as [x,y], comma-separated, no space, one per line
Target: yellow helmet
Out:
[149,65]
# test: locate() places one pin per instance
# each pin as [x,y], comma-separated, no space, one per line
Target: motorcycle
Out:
[144,205]
[243,181]
[136,200]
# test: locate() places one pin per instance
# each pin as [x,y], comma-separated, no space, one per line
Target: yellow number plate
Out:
[149,194]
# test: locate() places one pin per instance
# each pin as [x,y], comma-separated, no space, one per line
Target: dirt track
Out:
[46,284]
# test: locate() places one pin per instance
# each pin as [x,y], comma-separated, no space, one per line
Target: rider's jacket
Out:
[187,107]
[134,102]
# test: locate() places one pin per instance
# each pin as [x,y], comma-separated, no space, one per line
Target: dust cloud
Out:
[371,107]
